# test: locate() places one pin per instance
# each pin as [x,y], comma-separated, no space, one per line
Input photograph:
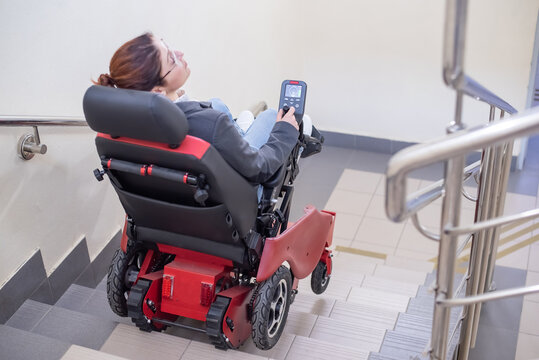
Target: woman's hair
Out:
[135,65]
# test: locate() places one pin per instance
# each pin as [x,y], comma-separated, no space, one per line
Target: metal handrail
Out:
[483,225]
[10,120]
[30,144]
[496,295]
[458,144]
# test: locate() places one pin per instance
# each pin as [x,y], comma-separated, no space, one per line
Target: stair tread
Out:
[378,298]
[75,297]
[75,327]
[410,264]
[16,344]
[390,285]
[322,350]
[76,352]
[28,315]
[400,274]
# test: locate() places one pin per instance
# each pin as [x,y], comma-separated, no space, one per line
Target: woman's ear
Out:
[159,90]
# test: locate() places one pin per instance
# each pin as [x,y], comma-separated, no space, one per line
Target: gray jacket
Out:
[216,128]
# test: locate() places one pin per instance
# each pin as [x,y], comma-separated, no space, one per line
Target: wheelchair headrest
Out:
[134,114]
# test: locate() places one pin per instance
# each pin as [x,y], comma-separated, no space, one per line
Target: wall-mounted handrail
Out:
[472,88]
[30,144]
[42,121]
[458,144]
[483,225]
[499,294]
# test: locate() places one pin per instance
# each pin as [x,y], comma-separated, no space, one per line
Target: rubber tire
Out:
[261,309]
[318,286]
[116,287]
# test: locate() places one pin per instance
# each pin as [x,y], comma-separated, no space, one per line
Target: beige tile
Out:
[411,254]
[313,304]
[411,239]
[130,342]
[354,263]
[532,279]
[390,285]
[515,203]
[361,337]
[407,263]
[359,181]
[376,208]
[380,249]
[529,321]
[76,352]
[399,274]
[381,299]
[379,232]
[527,347]
[346,226]
[348,202]
[376,317]
[517,259]
[335,290]
[533,264]
[197,350]
[278,352]
[299,323]
[471,190]
[318,349]
[340,242]
[348,277]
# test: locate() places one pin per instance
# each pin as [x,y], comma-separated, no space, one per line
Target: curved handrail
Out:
[451,146]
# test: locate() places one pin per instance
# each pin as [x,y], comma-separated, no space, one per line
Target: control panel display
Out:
[293,91]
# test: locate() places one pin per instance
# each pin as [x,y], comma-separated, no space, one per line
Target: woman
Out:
[148,64]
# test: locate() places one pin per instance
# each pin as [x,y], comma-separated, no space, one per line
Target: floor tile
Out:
[364,314]
[335,290]
[533,263]
[76,352]
[515,203]
[411,239]
[377,248]
[377,208]
[197,350]
[318,349]
[399,274]
[340,242]
[128,341]
[28,315]
[346,226]
[278,352]
[75,328]
[75,297]
[529,321]
[348,202]
[380,232]
[391,286]
[406,263]
[361,337]
[382,299]
[356,264]
[417,255]
[532,279]
[412,185]
[527,347]
[18,344]
[359,181]
[517,259]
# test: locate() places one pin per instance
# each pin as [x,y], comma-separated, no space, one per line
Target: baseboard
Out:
[31,281]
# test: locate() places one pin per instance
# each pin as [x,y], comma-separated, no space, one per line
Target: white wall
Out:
[373,69]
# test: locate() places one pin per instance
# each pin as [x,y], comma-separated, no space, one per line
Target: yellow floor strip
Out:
[516,247]
[361,252]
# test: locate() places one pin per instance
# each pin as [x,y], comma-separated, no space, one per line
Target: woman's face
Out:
[174,69]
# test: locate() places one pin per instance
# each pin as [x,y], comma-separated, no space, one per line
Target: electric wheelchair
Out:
[197,243]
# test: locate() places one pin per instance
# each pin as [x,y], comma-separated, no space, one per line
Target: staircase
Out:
[373,309]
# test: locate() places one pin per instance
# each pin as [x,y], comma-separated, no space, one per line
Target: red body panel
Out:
[237,311]
[302,245]
[194,274]
[190,145]
[154,294]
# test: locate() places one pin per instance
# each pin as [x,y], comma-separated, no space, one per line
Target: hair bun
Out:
[106,80]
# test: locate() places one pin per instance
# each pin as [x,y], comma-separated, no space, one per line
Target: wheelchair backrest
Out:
[144,131]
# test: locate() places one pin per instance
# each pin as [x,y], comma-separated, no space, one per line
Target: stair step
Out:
[403,345]
[278,352]
[381,299]
[129,342]
[76,352]
[75,298]
[16,344]
[364,314]
[336,289]
[390,286]
[378,356]
[413,322]
[197,350]
[353,263]
[315,349]
[399,274]
[409,264]
[362,337]
[75,327]
[28,315]
[313,304]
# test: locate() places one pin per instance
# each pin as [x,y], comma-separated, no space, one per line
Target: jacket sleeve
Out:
[256,166]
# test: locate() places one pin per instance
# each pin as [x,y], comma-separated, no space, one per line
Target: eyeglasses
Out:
[171,56]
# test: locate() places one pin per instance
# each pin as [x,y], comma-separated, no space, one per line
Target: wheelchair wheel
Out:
[320,278]
[122,274]
[270,310]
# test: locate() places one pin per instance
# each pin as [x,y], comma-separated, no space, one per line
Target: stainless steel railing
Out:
[30,144]
[495,140]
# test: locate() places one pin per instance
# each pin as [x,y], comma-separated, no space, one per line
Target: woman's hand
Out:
[289,117]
